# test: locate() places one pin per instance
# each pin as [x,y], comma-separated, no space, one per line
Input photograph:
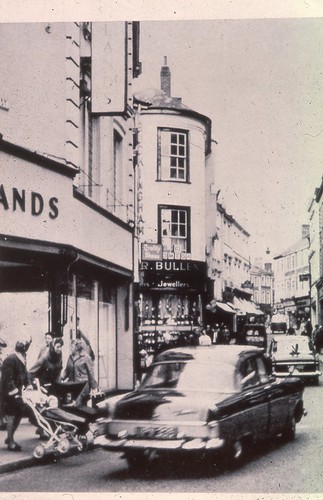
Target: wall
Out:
[173,193]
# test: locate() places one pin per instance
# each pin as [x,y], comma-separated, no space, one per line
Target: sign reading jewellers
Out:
[173,275]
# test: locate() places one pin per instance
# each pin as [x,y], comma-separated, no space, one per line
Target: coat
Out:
[13,378]
[48,367]
[79,368]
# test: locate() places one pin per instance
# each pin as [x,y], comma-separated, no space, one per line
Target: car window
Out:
[249,373]
[262,370]
[190,376]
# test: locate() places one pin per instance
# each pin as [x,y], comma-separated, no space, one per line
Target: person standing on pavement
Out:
[204,339]
[48,338]
[49,365]
[80,335]
[79,368]
[14,379]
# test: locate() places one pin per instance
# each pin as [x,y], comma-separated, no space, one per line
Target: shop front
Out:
[169,303]
[59,270]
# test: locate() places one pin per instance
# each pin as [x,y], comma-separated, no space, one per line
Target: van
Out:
[253,334]
[279,323]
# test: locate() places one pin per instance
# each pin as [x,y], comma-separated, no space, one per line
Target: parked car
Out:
[279,323]
[218,399]
[253,334]
[294,354]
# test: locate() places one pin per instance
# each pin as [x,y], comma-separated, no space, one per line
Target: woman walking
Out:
[14,379]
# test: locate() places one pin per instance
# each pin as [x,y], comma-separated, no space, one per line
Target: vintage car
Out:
[217,399]
[253,334]
[294,354]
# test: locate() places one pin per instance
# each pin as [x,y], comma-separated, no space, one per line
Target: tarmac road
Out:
[275,468]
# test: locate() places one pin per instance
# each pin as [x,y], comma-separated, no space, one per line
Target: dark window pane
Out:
[181,174]
[173,173]
[181,162]
[182,150]
[174,215]
[181,139]
[182,217]
[173,150]
[173,138]
[172,161]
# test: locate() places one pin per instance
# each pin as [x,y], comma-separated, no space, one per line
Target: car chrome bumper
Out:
[158,444]
[297,373]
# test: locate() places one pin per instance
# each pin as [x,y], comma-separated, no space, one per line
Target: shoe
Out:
[15,447]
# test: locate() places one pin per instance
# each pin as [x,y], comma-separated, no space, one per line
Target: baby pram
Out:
[68,427]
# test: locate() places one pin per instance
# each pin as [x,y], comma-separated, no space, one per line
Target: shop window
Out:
[172,157]
[174,229]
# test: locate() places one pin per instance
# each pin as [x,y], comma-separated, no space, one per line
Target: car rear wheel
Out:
[290,430]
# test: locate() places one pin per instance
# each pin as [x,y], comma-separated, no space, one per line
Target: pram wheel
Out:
[62,447]
[83,446]
[39,451]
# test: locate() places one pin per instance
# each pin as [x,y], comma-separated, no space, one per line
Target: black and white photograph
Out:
[161,249]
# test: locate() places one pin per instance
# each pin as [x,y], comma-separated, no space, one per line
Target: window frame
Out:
[188,215]
[160,171]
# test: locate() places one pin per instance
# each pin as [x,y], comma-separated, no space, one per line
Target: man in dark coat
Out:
[14,378]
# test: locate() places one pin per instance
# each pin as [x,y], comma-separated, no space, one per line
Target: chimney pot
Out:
[165,78]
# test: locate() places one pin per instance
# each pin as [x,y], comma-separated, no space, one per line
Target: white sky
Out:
[255,68]
[260,81]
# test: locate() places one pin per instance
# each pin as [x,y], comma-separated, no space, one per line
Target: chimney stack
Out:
[165,78]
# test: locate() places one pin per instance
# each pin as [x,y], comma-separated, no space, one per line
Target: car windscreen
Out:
[291,347]
[190,376]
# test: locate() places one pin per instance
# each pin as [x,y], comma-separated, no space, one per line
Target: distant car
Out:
[294,354]
[218,399]
[253,334]
[279,323]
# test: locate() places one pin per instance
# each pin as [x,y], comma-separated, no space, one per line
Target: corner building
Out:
[66,188]
[173,142]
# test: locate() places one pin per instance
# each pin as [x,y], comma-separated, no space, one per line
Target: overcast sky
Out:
[260,82]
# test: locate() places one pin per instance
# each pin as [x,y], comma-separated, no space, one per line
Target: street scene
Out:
[161,256]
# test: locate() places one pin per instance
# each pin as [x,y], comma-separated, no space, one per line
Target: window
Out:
[174,229]
[172,155]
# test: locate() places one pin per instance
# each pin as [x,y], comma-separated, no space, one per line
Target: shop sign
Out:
[151,251]
[173,275]
[304,277]
[22,200]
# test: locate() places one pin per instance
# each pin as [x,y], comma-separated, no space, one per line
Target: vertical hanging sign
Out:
[109,67]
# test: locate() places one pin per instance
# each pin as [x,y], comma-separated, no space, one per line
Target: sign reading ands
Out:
[22,200]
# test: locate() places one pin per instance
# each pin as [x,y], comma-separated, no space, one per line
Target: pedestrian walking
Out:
[14,378]
[216,331]
[79,368]
[3,422]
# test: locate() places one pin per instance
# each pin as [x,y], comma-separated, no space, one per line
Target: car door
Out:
[256,402]
[276,397]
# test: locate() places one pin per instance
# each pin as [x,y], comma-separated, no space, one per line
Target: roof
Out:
[301,244]
[228,354]
[156,99]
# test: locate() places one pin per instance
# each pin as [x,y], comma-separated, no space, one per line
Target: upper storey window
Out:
[172,155]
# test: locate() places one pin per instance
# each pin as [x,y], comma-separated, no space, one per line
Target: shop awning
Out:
[246,307]
[215,306]
[224,306]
